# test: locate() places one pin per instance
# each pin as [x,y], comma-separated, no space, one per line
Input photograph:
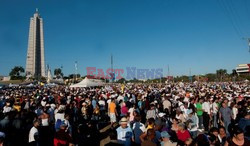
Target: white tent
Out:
[13,85]
[88,83]
[30,85]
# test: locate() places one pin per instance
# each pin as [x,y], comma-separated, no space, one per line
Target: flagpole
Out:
[76,70]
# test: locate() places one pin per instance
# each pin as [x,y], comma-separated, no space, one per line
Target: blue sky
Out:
[203,35]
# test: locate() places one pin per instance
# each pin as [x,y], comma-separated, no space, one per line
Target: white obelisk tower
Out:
[35,64]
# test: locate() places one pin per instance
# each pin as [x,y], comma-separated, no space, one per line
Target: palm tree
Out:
[58,73]
[16,72]
[221,73]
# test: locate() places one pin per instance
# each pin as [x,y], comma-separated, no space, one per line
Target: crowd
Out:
[191,114]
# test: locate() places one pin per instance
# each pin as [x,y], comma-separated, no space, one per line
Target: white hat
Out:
[124,121]
[52,105]
[161,115]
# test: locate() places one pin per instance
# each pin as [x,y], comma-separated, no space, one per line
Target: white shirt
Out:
[43,103]
[166,104]
[32,133]
[45,122]
[59,116]
[142,127]
[131,115]
[102,102]
[185,113]
[26,105]
[206,107]
[119,98]
[109,101]
[6,109]
[215,108]
[235,112]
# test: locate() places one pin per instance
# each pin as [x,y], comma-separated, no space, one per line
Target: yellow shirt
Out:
[112,107]
[17,107]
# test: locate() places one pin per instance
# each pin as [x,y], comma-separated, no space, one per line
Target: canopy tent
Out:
[30,85]
[51,84]
[13,85]
[88,83]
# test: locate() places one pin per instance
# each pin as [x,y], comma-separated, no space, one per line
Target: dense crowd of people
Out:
[191,114]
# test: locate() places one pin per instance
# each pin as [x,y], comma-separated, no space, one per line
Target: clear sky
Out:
[203,35]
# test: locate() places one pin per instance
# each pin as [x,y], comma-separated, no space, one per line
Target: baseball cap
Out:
[165,134]
[189,111]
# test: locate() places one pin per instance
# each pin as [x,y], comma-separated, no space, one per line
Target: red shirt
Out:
[124,110]
[183,136]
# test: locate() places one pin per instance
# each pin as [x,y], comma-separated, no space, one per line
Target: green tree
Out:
[211,77]
[234,73]
[122,80]
[221,73]
[182,78]
[58,73]
[16,72]
[71,76]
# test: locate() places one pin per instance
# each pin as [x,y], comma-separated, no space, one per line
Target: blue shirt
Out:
[94,103]
[138,129]
[124,135]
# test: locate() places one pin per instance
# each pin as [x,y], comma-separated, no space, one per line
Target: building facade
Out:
[35,63]
[243,69]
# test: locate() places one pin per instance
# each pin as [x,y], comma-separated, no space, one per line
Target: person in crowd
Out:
[124,109]
[225,115]
[96,114]
[2,138]
[132,111]
[138,129]
[62,138]
[151,113]
[112,111]
[238,138]
[192,123]
[165,139]
[148,140]
[182,133]
[222,135]
[166,104]
[206,113]
[215,109]
[244,124]
[124,133]
[150,123]
[33,134]
[234,111]
[7,108]
[214,132]
[78,107]
[175,123]
[200,112]
[67,123]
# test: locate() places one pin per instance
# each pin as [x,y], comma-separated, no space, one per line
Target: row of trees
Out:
[18,73]
[220,75]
